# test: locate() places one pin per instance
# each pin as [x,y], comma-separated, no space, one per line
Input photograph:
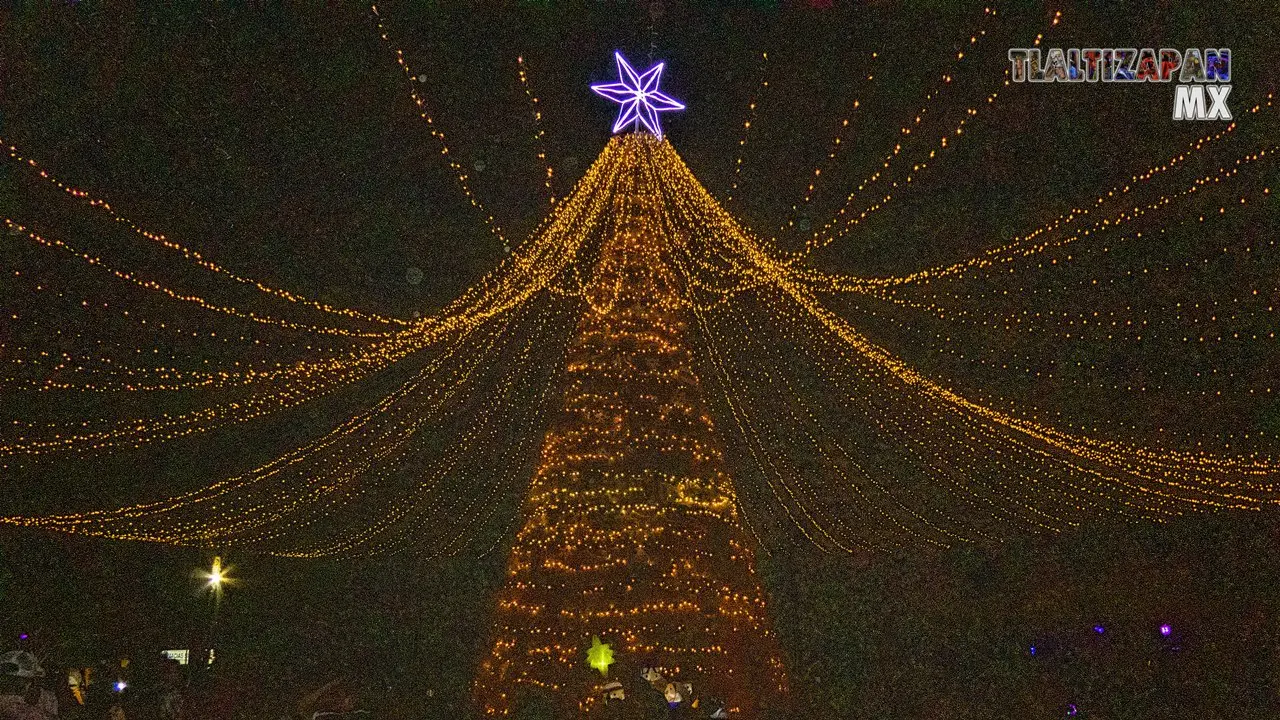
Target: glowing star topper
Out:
[639,97]
[600,655]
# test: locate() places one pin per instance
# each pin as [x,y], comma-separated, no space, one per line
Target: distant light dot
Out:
[121,685]
[1072,710]
[1165,630]
[1033,649]
[1099,629]
[23,636]
[422,78]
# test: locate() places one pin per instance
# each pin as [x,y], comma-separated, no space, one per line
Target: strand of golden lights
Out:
[993,493]
[1218,392]
[1233,323]
[109,433]
[823,236]
[1138,178]
[1131,324]
[459,172]
[286,385]
[746,124]
[144,321]
[515,481]
[998,359]
[177,354]
[869,486]
[19,230]
[1035,243]
[751,438]
[1120,190]
[539,135]
[838,142]
[116,371]
[188,254]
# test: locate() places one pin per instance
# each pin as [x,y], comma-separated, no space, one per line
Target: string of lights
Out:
[822,236]
[1098,269]
[134,278]
[459,172]
[1022,246]
[165,330]
[839,141]
[539,134]
[188,254]
[746,125]
[971,113]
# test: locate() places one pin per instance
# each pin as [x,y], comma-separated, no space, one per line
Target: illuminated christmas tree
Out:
[631,531]
[631,562]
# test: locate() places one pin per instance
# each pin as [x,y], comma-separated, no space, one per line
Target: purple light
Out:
[639,97]
[1165,630]
[1033,650]
[1099,629]
[1072,710]
[23,636]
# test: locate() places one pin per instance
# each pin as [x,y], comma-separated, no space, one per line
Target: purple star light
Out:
[639,97]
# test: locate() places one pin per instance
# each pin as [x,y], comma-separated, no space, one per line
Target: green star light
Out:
[600,655]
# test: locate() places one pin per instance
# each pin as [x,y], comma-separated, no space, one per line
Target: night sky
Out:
[282,142]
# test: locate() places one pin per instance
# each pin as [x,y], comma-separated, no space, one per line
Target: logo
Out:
[1204,76]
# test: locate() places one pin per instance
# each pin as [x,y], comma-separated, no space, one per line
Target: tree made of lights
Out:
[597,337]
[630,527]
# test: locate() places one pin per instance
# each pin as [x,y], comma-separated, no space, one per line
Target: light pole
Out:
[216,577]
[216,580]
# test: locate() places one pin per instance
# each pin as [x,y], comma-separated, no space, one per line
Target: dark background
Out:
[280,141]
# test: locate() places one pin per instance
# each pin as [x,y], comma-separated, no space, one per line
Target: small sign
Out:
[182,656]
